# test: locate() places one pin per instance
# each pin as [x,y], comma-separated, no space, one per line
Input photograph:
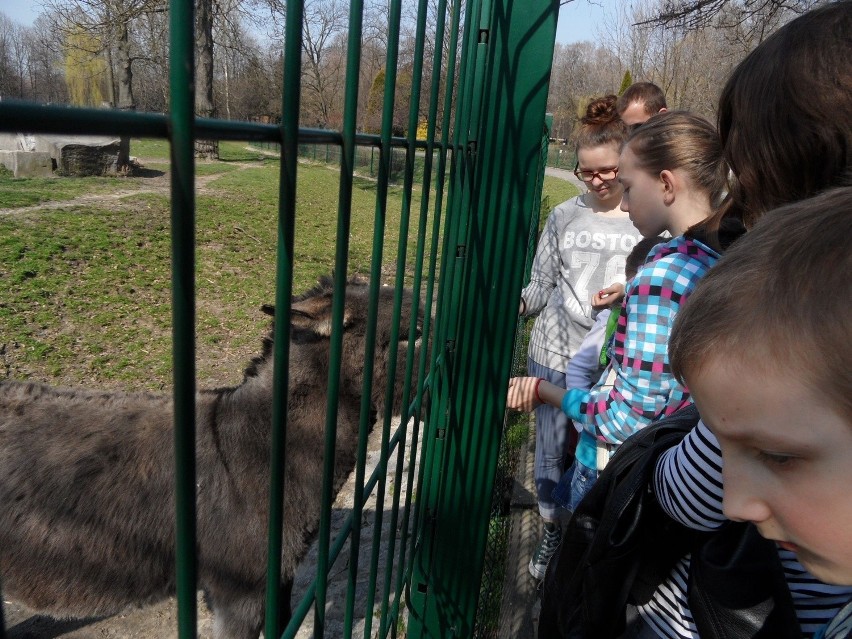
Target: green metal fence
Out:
[479,182]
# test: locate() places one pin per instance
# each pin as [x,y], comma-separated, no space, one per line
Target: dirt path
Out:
[143,182]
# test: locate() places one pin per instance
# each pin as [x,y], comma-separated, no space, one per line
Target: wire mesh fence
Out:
[366,159]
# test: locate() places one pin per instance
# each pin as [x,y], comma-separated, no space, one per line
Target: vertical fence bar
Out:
[347,156]
[428,483]
[283,295]
[347,168]
[416,594]
[432,117]
[385,159]
[402,251]
[182,105]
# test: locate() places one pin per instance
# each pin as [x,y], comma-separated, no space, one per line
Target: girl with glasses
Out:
[583,247]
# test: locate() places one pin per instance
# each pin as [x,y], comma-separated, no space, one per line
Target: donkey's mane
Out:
[257,361]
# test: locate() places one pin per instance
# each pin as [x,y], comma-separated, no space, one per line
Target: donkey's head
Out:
[311,333]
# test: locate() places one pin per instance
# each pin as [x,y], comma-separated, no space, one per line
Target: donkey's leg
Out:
[236,617]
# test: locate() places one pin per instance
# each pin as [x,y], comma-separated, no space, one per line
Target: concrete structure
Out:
[31,155]
[27,163]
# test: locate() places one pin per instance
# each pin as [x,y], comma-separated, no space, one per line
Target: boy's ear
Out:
[667,183]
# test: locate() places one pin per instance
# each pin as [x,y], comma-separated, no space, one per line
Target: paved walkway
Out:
[520,604]
[565,174]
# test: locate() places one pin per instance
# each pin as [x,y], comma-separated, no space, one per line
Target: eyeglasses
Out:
[605,175]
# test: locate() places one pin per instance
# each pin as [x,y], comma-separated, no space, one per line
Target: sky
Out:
[20,11]
[576,22]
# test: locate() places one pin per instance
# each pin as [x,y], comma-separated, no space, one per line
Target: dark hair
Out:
[601,125]
[636,258]
[778,299]
[647,93]
[682,140]
[785,114]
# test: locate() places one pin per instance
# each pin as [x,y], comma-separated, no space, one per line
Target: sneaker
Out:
[546,548]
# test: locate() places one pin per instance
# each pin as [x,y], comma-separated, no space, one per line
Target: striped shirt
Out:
[840,627]
[688,485]
[644,388]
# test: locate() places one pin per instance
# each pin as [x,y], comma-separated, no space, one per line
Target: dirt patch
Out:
[142,181]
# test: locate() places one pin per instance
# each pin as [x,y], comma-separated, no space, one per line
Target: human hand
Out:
[521,395]
[608,297]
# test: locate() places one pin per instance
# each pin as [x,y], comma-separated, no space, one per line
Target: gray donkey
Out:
[87,522]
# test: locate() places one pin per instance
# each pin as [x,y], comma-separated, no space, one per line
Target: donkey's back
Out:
[62,453]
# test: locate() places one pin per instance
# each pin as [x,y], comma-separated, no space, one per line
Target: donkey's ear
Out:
[268,309]
[311,318]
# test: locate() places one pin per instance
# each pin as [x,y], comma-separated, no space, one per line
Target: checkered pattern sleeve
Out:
[644,388]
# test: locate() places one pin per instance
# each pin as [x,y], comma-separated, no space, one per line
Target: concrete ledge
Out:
[27,164]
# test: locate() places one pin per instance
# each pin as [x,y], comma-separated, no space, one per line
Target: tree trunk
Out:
[204,77]
[227,92]
[125,88]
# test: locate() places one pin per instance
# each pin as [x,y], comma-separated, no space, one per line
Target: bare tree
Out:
[324,62]
[46,82]
[373,57]
[689,60]
[30,63]
[694,14]
[10,74]
[108,23]
[204,105]
[151,70]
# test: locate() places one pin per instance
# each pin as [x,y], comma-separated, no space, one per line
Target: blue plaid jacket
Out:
[644,388]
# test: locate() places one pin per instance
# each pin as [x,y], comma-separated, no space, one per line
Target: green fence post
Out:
[519,40]
[385,166]
[408,178]
[289,129]
[182,105]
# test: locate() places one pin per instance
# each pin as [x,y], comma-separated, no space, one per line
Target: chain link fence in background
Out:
[516,428]
[561,156]
[366,159]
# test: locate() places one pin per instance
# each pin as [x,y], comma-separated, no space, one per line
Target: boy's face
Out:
[787,457]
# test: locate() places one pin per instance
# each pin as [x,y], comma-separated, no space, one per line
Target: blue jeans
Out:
[553,438]
[574,485]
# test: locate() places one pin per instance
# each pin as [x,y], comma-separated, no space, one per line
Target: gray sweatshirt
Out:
[579,253]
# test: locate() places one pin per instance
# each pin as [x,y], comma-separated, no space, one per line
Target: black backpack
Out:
[620,545]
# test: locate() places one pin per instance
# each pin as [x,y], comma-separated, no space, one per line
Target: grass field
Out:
[85,264]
